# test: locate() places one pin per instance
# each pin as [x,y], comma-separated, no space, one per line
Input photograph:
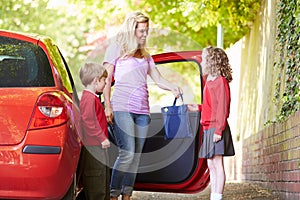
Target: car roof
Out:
[179,55]
[30,37]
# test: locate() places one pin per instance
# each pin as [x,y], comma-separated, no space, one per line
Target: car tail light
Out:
[50,110]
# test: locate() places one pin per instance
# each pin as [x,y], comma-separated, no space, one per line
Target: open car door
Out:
[173,165]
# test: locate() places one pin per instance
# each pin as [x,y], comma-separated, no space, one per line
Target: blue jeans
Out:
[130,132]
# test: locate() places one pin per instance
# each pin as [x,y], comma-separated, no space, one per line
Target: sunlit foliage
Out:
[78,27]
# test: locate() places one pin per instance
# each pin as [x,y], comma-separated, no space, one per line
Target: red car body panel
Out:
[39,176]
[199,180]
[37,163]
[16,110]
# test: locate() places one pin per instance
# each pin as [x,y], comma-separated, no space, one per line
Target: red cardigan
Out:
[216,104]
[93,120]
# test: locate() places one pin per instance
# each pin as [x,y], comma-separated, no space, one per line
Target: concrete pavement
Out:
[233,191]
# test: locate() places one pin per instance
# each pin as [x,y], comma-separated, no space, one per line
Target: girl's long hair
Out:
[217,62]
[126,35]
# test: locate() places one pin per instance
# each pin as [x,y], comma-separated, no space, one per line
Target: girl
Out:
[217,140]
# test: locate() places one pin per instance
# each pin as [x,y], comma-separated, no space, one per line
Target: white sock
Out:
[217,196]
[212,196]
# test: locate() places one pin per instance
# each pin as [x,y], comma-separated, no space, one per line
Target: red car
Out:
[39,138]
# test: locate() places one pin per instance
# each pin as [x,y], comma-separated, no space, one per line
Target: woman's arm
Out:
[107,91]
[163,83]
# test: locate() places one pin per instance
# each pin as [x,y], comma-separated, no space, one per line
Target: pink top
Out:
[216,104]
[130,90]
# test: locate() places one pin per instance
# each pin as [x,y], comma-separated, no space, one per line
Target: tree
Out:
[198,19]
[42,17]
[78,27]
[181,25]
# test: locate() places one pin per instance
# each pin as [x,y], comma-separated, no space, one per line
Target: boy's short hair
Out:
[89,71]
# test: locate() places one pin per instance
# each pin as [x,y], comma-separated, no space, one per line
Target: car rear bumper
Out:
[36,149]
[42,167]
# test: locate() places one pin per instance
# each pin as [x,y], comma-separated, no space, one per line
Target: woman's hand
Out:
[193,107]
[176,91]
[109,115]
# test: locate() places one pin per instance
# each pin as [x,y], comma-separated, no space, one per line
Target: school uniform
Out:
[96,172]
[214,114]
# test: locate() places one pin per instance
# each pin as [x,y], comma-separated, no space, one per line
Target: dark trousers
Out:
[96,173]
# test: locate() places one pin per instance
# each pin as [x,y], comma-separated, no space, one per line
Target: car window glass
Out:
[23,64]
[59,63]
[185,74]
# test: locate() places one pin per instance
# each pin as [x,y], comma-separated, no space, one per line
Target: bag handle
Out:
[174,103]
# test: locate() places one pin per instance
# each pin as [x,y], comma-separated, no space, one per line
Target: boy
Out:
[95,133]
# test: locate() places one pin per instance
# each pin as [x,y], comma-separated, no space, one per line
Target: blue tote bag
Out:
[176,121]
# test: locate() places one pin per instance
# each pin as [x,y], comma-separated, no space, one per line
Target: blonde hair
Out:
[217,62]
[126,37]
[89,71]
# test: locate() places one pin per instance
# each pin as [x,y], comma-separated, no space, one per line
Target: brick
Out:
[285,156]
[293,187]
[280,127]
[285,145]
[293,176]
[278,186]
[288,135]
[296,196]
[284,166]
[294,143]
[293,154]
[274,177]
[285,176]
[295,118]
[269,131]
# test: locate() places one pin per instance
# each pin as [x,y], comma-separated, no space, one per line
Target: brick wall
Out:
[268,155]
[272,158]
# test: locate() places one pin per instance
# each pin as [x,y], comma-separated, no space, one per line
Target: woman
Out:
[129,62]
[217,139]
